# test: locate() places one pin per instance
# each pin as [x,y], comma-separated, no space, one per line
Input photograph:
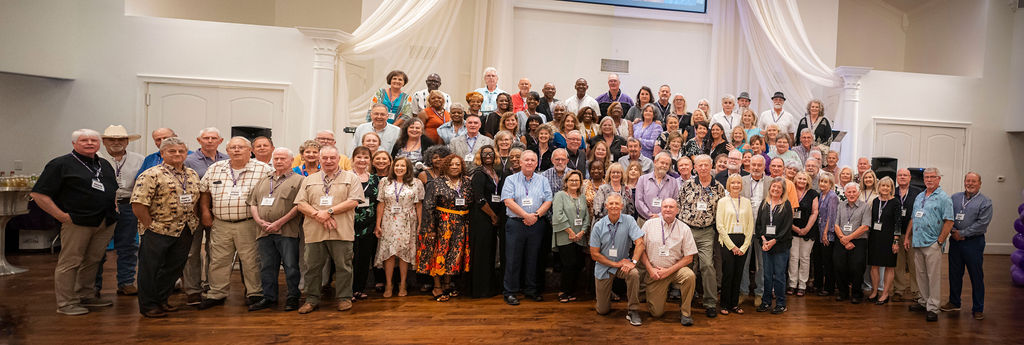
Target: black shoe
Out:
[511,300]
[855,300]
[763,307]
[262,304]
[824,293]
[210,303]
[154,313]
[779,310]
[932,317]
[291,304]
[917,307]
[840,298]
[711,312]
[536,298]
[253,300]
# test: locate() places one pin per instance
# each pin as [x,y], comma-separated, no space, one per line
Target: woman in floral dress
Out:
[398,215]
[443,242]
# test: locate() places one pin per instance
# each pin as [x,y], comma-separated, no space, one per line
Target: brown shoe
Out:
[307,308]
[154,313]
[194,299]
[344,305]
[168,308]
[128,290]
[979,315]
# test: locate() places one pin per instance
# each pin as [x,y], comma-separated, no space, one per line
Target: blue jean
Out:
[276,250]
[775,277]
[967,254]
[522,247]
[126,243]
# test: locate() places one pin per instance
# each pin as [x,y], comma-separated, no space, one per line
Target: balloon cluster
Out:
[1017,270]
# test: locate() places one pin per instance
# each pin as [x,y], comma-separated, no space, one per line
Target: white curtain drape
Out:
[400,34]
[761,47]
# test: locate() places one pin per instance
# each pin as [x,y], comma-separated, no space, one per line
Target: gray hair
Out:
[208,130]
[576,132]
[825,175]
[662,154]
[794,165]
[752,158]
[491,69]
[172,141]
[238,137]
[559,151]
[613,196]
[729,97]
[375,106]
[84,132]
[328,148]
[283,149]
[817,161]
[457,106]
[806,131]
[933,170]
[702,157]
[326,131]
[851,184]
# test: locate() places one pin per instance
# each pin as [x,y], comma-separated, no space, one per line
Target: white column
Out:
[325,63]
[849,110]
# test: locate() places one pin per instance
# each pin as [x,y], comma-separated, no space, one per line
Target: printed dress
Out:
[398,221]
[447,251]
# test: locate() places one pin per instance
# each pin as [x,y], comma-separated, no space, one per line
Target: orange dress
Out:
[434,120]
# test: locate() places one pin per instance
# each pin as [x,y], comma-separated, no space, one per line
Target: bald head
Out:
[162,133]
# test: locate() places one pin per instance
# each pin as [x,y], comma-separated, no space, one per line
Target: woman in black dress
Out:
[485,217]
[882,239]
[365,245]
[805,234]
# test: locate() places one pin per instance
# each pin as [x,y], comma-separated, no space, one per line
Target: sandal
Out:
[443,297]
[572,298]
[378,287]
[615,297]
[360,295]
[402,292]
[563,298]
[453,293]
[724,312]
[737,310]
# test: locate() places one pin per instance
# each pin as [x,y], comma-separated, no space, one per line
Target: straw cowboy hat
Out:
[118,132]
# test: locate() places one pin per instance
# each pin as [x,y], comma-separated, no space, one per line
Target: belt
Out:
[124,201]
[448,210]
[235,221]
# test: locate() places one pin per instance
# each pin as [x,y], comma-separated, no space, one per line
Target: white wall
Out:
[821,22]
[1015,120]
[870,34]
[562,46]
[991,151]
[38,114]
[23,22]
[944,37]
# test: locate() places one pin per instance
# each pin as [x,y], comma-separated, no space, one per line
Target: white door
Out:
[186,109]
[922,146]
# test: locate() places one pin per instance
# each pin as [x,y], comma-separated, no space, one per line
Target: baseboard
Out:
[999,248]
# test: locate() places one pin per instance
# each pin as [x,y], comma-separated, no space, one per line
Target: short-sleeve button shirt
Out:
[690,193]
[282,189]
[935,209]
[345,186]
[160,188]
[854,216]
[676,239]
[219,183]
[625,231]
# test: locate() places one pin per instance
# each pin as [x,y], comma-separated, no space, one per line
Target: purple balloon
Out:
[1017,275]
[1020,210]
[1017,257]
[1019,226]
[1018,241]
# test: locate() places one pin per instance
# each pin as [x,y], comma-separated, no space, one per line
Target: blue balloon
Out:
[1017,275]
[1018,241]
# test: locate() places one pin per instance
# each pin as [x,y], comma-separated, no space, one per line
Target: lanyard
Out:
[458,187]
[776,119]
[753,186]
[615,230]
[117,170]
[183,180]
[473,145]
[736,207]
[526,185]
[849,219]
[439,116]
[97,173]
[771,213]
[903,199]
[671,228]
[881,207]
[965,202]
[273,188]
[398,190]
[576,203]
[327,183]
[234,179]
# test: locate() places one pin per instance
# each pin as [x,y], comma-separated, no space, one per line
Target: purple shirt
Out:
[648,137]
[607,98]
[647,190]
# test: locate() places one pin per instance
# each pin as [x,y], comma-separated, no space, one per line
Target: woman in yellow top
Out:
[735,222]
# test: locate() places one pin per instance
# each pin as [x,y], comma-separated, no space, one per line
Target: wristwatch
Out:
[330,210]
[634,261]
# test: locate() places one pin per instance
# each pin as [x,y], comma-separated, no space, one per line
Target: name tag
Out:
[919,214]
[770,230]
[460,201]
[495,198]
[959,216]
[737,229]
[364,203]
[656,202]
[97,185]
[577,221]
[702,206]
[469,157]
[235,192]
[396,209]
[185,199]
[877,226]
[527,202]
[267,201]
[613,252]
[847,229]
[903,212]
[796,214]
[663,251]
[327,200]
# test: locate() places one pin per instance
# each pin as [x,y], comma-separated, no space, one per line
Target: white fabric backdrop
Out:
[760,46]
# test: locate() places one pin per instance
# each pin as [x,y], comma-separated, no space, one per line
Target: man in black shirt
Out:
[904,284]
[78,189]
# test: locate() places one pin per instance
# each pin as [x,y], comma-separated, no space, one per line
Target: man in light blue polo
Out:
[609,247]
[972,212]
[527,197]
[930,224]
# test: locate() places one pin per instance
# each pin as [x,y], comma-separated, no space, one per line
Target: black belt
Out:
[234,221]
[124,201]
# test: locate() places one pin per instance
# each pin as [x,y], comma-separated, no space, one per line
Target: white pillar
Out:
[325,63]
[849,110]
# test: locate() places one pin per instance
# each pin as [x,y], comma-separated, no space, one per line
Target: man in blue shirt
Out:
[929,226]
[490,91]
[527,197]
[154,159]
[972,212]
[191,277]
[610,241]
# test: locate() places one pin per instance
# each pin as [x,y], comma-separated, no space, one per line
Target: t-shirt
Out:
[667,244]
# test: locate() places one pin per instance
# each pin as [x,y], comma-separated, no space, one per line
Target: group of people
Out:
[483,199]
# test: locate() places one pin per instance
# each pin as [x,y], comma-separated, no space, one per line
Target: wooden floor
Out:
[27,316]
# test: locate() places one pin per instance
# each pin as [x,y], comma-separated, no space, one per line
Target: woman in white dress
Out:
[399,195]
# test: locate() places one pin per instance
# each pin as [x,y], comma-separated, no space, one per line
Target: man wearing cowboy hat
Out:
[126,167]
[778,116]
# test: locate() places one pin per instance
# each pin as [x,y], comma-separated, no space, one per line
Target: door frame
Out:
[142,90]
[966,126]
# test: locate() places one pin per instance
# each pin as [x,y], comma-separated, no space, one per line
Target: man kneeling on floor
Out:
[609,247]
[669,249]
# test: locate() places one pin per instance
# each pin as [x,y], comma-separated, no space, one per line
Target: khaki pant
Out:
[905,281]
[192,277]
[603,290]
[81,248]
[706,239]
[226,239]
[317,254]
[929,267]
[657,291]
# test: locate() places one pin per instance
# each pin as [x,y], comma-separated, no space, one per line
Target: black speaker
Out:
[917,177]
[884,166]
[251,132]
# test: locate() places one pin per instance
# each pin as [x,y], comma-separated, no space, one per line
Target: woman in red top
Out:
[434,116]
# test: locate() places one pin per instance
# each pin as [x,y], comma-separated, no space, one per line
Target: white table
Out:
[13,202]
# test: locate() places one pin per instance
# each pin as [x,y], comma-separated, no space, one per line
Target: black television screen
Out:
[695,6]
